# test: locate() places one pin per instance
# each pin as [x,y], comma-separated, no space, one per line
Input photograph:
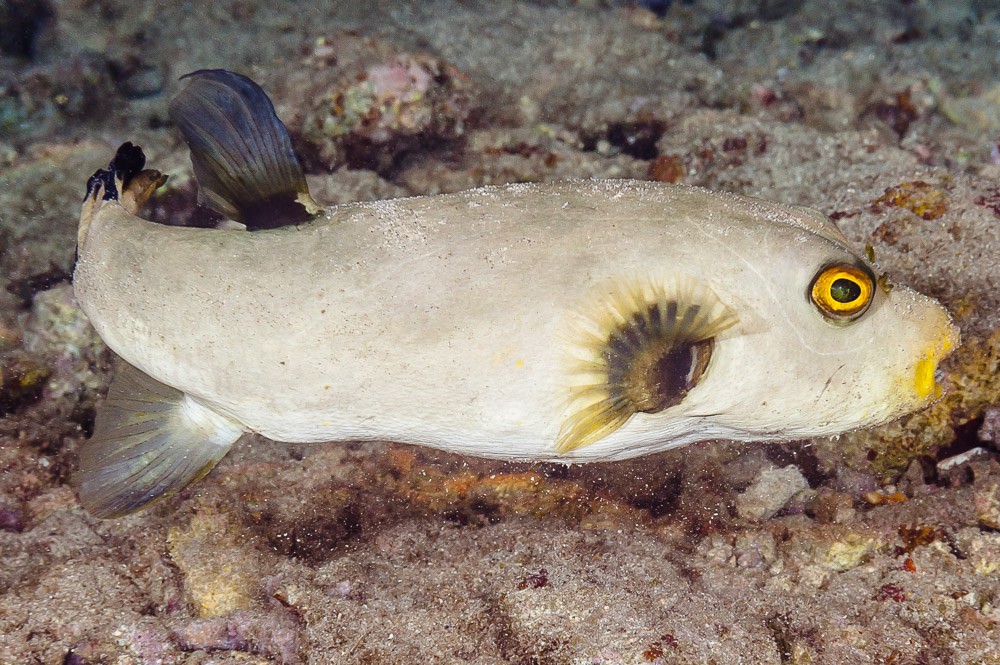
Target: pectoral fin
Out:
[241,153]
[150,441]
[638,349]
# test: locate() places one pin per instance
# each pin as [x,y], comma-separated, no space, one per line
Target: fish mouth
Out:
[924,380]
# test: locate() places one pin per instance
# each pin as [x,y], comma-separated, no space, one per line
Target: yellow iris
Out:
[842,292]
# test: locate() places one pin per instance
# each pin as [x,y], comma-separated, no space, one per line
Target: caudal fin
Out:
[242,155]
[125,181]
[150,441]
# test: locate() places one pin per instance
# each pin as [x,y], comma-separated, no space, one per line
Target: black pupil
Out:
[845,291]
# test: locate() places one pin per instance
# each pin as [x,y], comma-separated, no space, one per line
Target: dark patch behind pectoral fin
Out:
[241,152]
[150,441]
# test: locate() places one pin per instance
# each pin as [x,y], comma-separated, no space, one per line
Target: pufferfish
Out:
[573,322]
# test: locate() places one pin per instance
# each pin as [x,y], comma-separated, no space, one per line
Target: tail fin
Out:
[242,155]
[124,181]
[150,441]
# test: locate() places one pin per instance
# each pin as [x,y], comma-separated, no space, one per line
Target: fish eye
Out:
[842,292]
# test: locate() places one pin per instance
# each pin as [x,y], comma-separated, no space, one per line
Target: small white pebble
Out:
[961,458]
[770,492]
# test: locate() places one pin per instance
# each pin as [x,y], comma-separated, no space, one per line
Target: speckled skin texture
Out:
[375,554]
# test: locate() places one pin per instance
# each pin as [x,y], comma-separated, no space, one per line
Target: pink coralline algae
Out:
[377,111]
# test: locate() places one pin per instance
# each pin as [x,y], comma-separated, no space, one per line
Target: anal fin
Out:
[150,441]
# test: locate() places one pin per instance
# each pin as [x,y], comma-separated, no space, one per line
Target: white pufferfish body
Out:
[473,322]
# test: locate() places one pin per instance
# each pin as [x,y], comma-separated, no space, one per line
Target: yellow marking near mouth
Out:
[924,383]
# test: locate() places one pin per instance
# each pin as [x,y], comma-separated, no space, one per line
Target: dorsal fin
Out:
[241,152]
